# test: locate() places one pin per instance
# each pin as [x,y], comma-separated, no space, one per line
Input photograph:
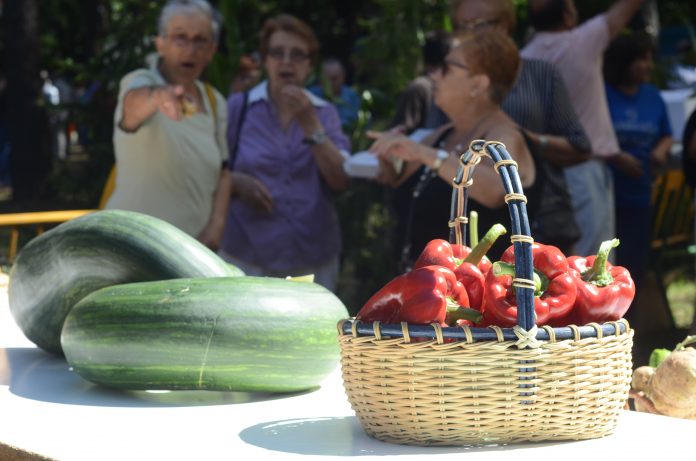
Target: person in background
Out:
[287,152]
[4,138]
[247,76]
[477,73]
[332,86]
[169,129]
[539,103]
[577,52]
[689,153]
[415,103]
[639,117]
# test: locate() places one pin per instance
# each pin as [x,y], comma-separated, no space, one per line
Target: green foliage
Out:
[101,40]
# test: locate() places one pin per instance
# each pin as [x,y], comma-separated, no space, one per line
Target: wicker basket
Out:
[479,386]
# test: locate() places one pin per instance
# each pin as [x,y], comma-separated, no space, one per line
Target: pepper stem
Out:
[688,340]
[455,312]
[482,247]
[473,228]
[501,268]
[598,273]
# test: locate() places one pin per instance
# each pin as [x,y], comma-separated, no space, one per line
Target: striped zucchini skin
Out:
[58,268]
[234,334]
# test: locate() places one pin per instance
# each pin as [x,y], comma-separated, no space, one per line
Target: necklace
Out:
[470,134]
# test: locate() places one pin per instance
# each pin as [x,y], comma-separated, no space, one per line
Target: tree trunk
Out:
[30,158]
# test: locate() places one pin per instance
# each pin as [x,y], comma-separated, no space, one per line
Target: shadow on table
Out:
[343,436]
[34,374]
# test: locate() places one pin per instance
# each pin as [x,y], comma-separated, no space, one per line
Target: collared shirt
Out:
[578,55]
[303,229]
[169,169]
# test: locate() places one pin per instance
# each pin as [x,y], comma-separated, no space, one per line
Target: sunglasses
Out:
[448,64]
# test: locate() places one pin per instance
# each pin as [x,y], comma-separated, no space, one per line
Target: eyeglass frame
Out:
[181,40]
[294,55]
[445,67]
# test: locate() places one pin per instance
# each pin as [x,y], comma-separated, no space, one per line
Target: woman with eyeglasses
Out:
[169,129]
[539,103]
[477,73]
[286,153]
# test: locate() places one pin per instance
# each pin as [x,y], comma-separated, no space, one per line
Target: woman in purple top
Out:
[289,159]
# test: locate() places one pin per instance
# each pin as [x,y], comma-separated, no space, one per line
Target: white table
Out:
[47,411]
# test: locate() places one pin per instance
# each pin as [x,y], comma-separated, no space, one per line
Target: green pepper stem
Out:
[598,273]
[462,313]
[473,228]
[688,340]
[482,247]
[501,268]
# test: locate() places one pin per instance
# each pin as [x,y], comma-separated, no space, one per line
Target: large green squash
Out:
[235,334]
[60,267]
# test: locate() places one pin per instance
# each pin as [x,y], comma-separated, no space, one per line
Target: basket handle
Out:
[516,201]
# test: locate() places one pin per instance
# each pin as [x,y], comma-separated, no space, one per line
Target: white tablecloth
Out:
[47,410]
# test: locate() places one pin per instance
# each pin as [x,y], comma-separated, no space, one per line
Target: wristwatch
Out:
[442,155]
[319,137]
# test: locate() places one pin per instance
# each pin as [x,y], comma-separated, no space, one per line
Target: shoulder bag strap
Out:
[240,122]
[212,99]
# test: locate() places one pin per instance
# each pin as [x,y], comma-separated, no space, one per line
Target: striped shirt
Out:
[539,102]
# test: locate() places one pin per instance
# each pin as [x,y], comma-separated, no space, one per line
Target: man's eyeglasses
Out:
[473,25]
[183,41]
[448,64]
[295,55]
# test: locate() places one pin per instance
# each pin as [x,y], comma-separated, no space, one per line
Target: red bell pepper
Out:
[605,291]
[554,294]
[470,266]
[425,295]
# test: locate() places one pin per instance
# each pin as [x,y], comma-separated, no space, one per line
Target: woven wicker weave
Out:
[461,393]
[475,391]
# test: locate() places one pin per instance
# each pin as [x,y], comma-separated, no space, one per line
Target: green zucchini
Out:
[234,334]
[58,268]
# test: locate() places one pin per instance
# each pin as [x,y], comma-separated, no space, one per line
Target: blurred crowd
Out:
[253,173]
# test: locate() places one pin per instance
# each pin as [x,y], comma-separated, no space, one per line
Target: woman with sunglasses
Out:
[286,154]
[477,73]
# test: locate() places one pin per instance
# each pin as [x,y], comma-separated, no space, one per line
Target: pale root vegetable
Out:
[672,387]
[641,378]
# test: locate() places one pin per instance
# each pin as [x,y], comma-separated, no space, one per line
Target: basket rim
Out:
[378,330]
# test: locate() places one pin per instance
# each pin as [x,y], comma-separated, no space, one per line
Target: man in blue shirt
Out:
[346,99]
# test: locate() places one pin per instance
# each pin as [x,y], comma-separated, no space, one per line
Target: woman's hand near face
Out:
[252,191]
[300,106]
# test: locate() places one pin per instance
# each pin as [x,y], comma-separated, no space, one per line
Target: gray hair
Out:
[177,7]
